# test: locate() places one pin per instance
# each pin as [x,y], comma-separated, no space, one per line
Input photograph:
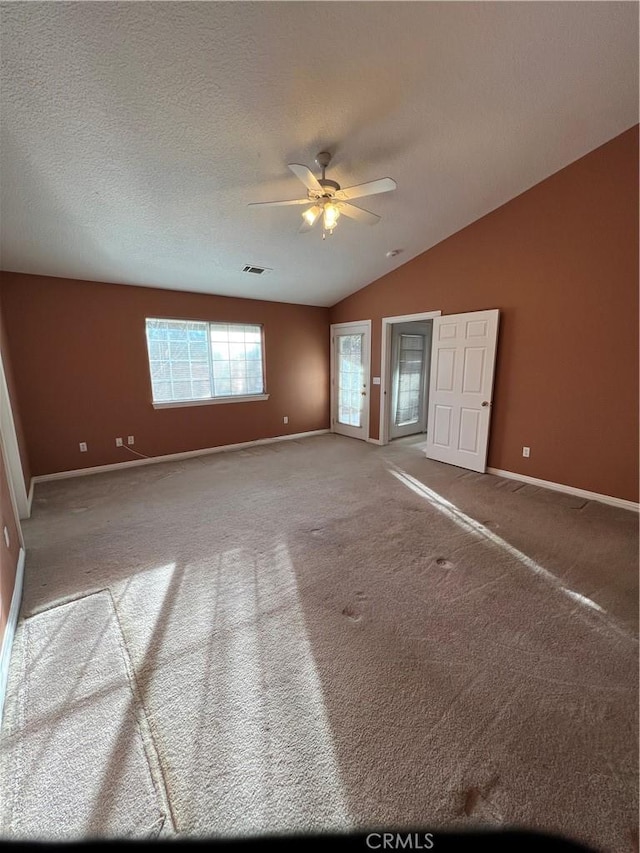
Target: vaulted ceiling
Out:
[134,135]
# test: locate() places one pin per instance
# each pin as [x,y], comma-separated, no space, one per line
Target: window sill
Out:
[215,401]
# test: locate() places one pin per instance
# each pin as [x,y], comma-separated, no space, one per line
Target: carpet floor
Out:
[321,635]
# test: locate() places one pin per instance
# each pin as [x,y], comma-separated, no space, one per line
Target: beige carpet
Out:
[325,635]
[64,774]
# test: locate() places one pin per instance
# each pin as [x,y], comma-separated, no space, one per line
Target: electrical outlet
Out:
[526,451]
[130,439]
[6,535]
[83,447]
[118,442]
[285,420]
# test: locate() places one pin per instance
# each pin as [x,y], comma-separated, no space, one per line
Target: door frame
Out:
[366,409]
[385,366]
[15,474]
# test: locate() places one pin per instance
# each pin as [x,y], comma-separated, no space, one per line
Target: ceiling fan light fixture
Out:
[330,216]
[311,214]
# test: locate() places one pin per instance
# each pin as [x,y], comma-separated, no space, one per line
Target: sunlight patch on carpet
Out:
[222,654]
[72,759]
[475,528]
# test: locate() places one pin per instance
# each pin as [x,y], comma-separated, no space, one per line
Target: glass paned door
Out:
[350,379]
[351,393]
[411,349]
[410,379]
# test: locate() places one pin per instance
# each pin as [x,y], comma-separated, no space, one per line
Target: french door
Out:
[462,363]
[410,355]
[350,359]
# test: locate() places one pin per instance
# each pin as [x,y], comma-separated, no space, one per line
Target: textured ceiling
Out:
[135,134]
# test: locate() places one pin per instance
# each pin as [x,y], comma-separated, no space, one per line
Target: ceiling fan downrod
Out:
[323,159]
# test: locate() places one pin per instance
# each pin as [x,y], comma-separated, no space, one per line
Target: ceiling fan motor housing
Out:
[331,186]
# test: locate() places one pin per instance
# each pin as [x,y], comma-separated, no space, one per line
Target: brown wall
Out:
[80,363]
[560,261]
[8,556]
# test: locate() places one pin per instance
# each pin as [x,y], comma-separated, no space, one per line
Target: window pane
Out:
[178,332]
[237,359]
[193,360]
[254,385]
[221,370]
[350,379]
[238,385]
[219,331]
[236,351]
[200,370]
[181,390]
[198,350]
[202,389]
[157,349]
[254,368]
[179,349]
[410,368]
[180,370]
[178,360]
[219,351]
[160,370]
[222,387]
[161,391]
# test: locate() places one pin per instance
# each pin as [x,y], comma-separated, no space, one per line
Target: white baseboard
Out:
[10,630]
[30,496]
[171,457]
[375,441]
[570,490]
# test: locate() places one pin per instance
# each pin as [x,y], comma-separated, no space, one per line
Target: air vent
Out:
[250,268]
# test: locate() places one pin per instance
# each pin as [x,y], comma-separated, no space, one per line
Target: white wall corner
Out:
[10,630]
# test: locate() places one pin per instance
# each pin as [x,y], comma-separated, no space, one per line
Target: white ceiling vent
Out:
[251,268]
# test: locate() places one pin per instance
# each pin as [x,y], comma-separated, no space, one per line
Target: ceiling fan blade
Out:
[306,176]
[358,213]
[278,203]
[382,185]
[309,218]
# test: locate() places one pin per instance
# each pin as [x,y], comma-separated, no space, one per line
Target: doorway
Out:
[350,360]
[460,385]
[410,364]
[397,419]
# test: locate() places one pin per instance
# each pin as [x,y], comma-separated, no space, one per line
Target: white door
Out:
[350,358]
[462,362]
[410,351]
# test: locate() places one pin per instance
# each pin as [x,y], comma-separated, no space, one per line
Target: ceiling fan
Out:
[328,200]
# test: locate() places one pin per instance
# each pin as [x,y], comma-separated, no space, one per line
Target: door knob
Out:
[486,403]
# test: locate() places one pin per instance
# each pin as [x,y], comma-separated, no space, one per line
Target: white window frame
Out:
[207,401]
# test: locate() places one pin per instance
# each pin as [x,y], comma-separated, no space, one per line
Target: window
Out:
[196,362]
